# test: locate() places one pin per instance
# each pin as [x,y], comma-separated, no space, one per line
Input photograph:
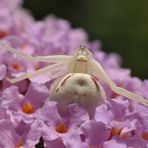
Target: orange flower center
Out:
[145,136]
[3,34]
[118,131]
[20,143]
[28,108]
[99,146]
[61,128]
[115,131]
[16,66]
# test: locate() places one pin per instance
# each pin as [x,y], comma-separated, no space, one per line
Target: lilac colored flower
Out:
[2,71]
[56,37]
[74,141]
[11,98]
[55,129]
[16,136]
[14,4]
[123,123]
[28,118]
[95,133]
[114,110]
[137,142]
[4,114]
[24,107]
[115,143]
[77,115]
[144,88]
[12,21]
[56,125]
[8,135]
[143,113]
[55,144]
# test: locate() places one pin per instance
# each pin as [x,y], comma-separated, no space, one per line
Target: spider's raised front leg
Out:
[99,71]
[48,59]
[44,70]
[130,95]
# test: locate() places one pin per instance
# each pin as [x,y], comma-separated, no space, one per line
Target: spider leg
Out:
[99,71]
[49,68]
[48,59]
[130,95]
[52,59]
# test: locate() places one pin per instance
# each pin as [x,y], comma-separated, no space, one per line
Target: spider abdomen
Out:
[77,88]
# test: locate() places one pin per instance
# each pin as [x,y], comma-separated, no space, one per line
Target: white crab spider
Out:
[82,66]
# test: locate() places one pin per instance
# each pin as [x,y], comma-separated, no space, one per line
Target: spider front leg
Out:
[44,70]
[99,71]
[48,59]
[130,95]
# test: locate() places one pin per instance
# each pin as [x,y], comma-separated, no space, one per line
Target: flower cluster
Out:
[28,118]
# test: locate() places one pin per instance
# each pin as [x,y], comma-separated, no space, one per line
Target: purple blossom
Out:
[8,135]
[27,117]
[24,107]
[55,129]
[95,132]
[115,142]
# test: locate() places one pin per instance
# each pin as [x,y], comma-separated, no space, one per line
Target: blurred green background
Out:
[122,26]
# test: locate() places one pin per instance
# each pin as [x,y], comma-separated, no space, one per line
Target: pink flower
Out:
[28,118]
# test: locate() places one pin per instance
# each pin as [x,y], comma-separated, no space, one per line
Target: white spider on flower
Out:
[80,84]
